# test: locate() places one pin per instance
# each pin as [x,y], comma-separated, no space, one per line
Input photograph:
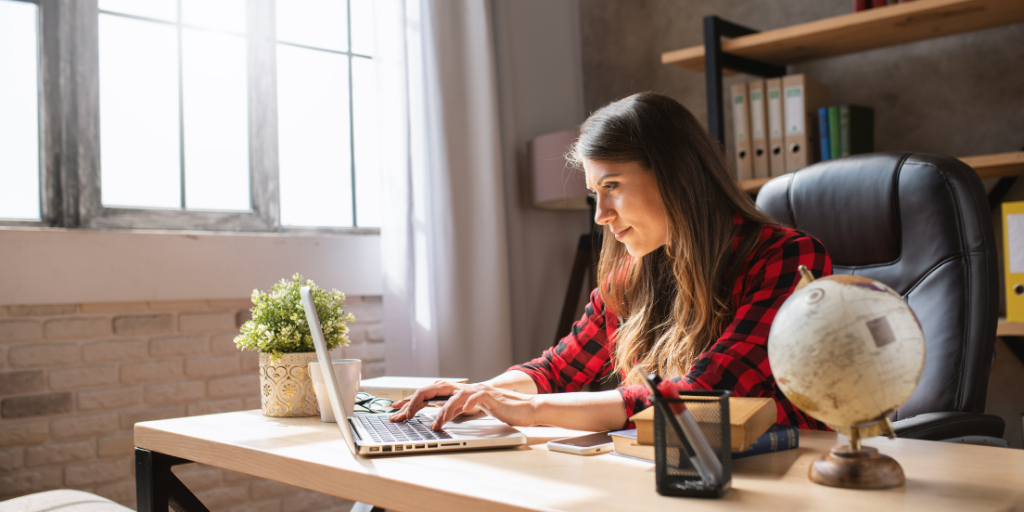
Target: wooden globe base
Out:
[856,469]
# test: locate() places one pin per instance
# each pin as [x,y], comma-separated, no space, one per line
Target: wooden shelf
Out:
[1005,328]
[860,31]
[997,166]
[987,166]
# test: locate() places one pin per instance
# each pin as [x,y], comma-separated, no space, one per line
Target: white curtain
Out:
[443,236]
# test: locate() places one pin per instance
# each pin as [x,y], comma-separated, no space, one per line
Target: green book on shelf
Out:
[856,130]
[833,131]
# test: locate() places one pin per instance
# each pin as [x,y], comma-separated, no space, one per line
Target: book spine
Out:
[823,133]
[775,440]
[833,131]
[844,130]
[860,5]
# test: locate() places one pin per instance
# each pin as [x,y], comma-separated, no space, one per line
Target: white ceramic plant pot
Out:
[286,391]
[346,372]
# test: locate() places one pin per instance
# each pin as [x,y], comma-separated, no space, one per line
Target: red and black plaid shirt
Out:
[738,361]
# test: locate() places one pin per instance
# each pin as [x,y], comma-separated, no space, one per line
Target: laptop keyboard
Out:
[383,430]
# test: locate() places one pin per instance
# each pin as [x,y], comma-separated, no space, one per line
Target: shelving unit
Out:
[766,53]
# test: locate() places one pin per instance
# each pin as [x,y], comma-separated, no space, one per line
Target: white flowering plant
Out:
[278,325]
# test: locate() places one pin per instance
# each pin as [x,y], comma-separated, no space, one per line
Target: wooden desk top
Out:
[307,453]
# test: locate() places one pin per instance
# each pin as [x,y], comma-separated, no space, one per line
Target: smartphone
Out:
[591,444]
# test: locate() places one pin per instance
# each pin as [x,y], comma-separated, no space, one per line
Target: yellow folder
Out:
[1013,259]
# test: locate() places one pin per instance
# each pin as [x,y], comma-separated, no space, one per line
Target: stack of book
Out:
[775,125]
[845,130]
[860,5]
[752,431]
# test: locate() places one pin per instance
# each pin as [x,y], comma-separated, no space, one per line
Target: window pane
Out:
[228,15]
[362,27]
[139,144]
[216,121]
[313,137]
[159,9]
[364,106]
[19,112]
[317,23]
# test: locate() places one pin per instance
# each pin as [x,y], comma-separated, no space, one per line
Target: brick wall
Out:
[75,378]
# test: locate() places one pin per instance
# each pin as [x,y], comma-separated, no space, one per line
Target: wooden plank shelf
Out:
[1005,328]
[860,31]
[987,166]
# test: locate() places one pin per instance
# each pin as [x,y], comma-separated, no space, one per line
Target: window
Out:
[19,111]
[191,114]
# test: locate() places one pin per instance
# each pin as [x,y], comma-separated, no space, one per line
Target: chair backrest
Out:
[921,224]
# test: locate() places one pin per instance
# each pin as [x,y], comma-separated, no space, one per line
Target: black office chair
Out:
[919,223]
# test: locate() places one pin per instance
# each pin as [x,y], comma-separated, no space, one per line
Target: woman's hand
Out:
[513,408]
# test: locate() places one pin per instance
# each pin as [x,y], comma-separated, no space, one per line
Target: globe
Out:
[846,350]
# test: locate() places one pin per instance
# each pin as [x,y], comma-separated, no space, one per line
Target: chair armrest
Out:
[937,426]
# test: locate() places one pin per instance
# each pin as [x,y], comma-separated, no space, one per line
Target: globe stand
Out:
[856,466]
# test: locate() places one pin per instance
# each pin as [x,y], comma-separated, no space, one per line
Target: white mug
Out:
[346,371]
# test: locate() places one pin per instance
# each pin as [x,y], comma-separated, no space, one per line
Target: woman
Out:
[691,274]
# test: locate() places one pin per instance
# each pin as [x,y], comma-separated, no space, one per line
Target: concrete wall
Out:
[541,91]
[957,95]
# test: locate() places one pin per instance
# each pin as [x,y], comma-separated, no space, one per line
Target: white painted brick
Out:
[151,371]
[374,369]
[23,433]
[306,501]
[224,343]
[242,317]
[3,311]
[223,497]
[43,354]
[114,350]
[252,402]
[117,445]
[239,385]
[375,332]
[113,308]
[51,454]
[130,417]
[366,351]
[182,345]
[143,325]
[3,356]
[110,398]
[213,366]
[21,483]
[206,322]
[179,305]
[122,492]
[366,313]
[266,489]
[83,426]
[198,477]
[261,506]
[216,406]
[20,330]
[175,392]
[43,310]
[76,328]
[374,299]
[12,459]
[249,361]
[223,305]
[83,377]
[99,472]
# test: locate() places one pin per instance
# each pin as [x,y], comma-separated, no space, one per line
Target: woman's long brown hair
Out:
[675,300]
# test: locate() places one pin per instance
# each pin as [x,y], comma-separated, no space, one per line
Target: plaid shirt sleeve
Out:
[579,358]
[738,360]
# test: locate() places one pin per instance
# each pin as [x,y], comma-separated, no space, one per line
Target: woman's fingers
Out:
[451,409]
[412,404]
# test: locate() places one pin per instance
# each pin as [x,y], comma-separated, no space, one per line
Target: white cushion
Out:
[61,501]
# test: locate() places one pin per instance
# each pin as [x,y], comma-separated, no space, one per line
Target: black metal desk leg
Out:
[156,487]
[365,507]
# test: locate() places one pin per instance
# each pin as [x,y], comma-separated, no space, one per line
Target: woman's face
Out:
[628,202]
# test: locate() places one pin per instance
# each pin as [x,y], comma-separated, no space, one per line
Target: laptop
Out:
[375,434]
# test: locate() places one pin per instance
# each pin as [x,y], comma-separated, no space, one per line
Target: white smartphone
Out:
[591,444]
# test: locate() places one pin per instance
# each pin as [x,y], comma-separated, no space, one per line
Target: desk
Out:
[307,453]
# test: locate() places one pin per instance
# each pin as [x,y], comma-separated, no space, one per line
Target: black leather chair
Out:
[921,224]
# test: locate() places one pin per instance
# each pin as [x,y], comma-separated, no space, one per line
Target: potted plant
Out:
[279,332]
